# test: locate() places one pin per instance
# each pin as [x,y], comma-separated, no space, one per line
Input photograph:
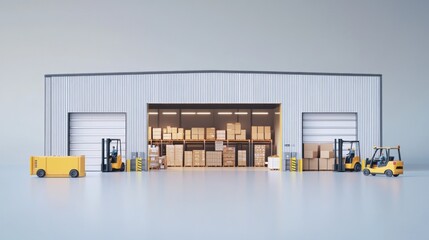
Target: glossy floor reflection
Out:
[213,203]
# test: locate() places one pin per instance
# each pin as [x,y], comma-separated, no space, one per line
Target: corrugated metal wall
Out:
[130,93]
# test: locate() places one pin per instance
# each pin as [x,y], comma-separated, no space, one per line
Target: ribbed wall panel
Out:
[130,93]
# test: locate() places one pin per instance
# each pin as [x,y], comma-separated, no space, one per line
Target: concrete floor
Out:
[214,203]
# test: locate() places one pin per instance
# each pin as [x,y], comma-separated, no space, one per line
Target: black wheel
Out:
[357,167]
[373,174]
[122,167]
[366,172]
[388,173]
[40,173]
[74,173]
[396,175]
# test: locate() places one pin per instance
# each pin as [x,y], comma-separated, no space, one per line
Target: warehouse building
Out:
[241,109]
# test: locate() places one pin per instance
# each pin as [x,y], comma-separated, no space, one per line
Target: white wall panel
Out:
[131,92]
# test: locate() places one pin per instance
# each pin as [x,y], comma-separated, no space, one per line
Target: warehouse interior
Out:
[191,128]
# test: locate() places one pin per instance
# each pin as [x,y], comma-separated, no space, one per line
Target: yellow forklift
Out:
[384,162]
[111,160]
[352,159]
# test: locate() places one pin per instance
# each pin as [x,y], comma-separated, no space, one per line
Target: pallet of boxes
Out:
[234,132]
[174,155]
[155,161]
[229,156]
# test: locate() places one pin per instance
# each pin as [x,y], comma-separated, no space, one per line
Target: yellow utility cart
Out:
[57,166]
[384,161]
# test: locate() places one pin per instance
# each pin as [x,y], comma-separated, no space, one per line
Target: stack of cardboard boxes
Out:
[220,135]
[188,135]
[197,133]
[326,160]
[234,132]
[311,157]
[318,157]
[155,161]
[214,159]
[157,134]
[198,158]
[259,156]
[174,156]
[261,133]
[210,133]
[229,156]
[188,158]
[241,158]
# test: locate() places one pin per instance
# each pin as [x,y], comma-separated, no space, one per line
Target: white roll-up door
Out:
[325,127]
[86,131]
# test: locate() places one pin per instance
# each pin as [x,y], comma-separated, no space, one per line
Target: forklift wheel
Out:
[373,174]
[122,167]
[396,175]
[40,173]
[357,167]
[74,173]
[366,172]
[389,173]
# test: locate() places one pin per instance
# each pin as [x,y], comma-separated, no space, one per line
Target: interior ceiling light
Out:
[153,113]
[260,113]
[169,113]
[188,113]
[240,113]
[224,113]
[203,113]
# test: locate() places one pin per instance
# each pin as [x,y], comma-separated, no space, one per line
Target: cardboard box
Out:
[326,147]
[168,129]
[219,146]
[313,164]
[149,133]
[260,136]
[180,130]
[230,136]
[254,133]
[211,133]
[180,136]
[166,136]
[261,129]
[174,135]
[267,133]
[326,154]
[188,158]
[188,134]
[220,134]
[323,164]
[173,129]
[241,136]
[311,150]
[157,134]
[230,128]
[195,136]
[237,127]
[330,164]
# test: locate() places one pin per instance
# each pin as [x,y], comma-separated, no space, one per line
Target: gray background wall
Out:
[386,37]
